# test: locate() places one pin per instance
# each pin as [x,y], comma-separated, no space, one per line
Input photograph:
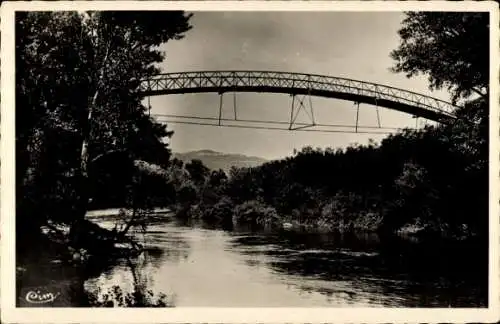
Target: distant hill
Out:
[217,160]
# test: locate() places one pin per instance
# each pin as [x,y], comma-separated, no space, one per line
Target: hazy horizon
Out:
[353,45]
[220,152]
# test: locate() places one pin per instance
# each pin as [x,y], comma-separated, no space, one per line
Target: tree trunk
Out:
[84,183]
[132,219]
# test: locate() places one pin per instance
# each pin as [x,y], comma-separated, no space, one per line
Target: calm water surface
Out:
[197,265]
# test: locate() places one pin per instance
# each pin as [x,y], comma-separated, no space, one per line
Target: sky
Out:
[353,45]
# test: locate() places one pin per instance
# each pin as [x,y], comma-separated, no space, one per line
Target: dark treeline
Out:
[431,179]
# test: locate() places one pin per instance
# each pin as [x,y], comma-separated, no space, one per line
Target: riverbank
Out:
[94,241]
[53,264]
[259,215]
[99,213]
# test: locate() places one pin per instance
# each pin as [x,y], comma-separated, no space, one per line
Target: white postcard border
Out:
[10,314]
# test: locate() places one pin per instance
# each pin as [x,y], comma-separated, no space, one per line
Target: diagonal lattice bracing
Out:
[300,84]
[301,103]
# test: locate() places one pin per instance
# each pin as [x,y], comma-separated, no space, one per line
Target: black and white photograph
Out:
[184,156]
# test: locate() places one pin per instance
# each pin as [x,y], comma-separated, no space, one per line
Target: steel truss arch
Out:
[357,91]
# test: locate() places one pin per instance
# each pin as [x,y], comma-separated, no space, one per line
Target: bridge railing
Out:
[285,80]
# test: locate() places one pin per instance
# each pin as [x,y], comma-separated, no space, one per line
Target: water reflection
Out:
[123,288]
[206,265]
[364,268]
[142,277]
[66,282]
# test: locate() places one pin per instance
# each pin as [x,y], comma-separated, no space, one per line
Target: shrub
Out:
[256,213]
[223,210]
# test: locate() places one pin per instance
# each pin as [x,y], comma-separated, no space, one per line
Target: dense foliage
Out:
[414,178]
[78,114]
[459,43]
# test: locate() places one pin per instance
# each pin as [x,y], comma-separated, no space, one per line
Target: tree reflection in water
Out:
[140,296]
[358,267]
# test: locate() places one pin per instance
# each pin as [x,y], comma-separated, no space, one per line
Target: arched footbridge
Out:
[415,104]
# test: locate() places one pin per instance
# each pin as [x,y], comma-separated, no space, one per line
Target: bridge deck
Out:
[305,84]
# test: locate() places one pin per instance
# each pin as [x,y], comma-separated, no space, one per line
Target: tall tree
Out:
[77,76]
[124,51]
[198,172]
[51,87]
[451,48]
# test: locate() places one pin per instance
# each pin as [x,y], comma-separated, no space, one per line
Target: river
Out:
[202,265]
